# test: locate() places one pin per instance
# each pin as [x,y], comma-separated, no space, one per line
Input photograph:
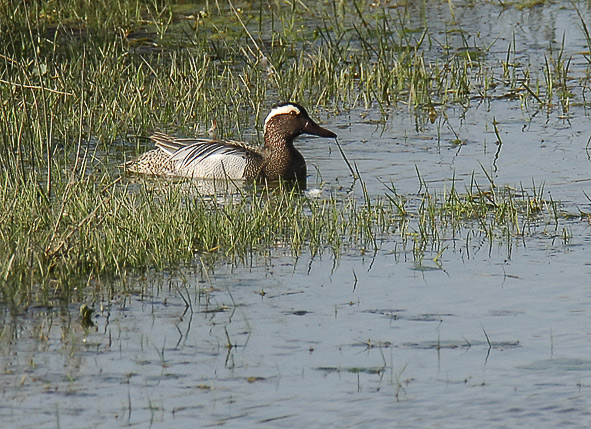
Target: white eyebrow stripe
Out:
[288,108]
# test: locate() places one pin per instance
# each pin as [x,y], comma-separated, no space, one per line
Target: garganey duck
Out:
[216,159]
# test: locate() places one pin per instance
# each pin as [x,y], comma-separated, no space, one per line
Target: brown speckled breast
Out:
[284,163]
[254,165]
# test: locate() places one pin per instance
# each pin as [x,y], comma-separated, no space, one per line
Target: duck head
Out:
[286,121]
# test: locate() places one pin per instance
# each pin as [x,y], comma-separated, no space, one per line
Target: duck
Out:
[205,158]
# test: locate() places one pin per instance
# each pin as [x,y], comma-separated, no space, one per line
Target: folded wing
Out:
[206,158]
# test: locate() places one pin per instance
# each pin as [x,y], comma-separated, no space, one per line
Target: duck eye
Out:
[293,113]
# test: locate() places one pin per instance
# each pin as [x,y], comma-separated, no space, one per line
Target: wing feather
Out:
[206,158]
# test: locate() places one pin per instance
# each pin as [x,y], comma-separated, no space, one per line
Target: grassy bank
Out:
[82,82]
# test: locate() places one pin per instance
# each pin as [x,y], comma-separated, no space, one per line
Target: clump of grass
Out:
[101,229]
[497,215]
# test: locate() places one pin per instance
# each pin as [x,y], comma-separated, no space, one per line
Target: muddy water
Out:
[493,336]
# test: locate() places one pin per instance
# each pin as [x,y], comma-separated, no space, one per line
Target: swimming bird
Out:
[202,158]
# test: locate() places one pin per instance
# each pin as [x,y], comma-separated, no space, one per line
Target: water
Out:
[398,345]
[494,336]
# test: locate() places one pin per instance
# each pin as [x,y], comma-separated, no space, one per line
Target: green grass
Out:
[94,229]
[100,229]
[81,84]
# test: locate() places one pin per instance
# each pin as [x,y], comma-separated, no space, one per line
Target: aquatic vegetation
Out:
[81,84]
[98,229]
[94,229]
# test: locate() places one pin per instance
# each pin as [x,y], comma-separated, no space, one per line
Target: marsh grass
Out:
[102,229]
[97,229]
[427,224]
[81,84]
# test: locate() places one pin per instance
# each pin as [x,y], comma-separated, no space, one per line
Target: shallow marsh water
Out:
[493,335]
